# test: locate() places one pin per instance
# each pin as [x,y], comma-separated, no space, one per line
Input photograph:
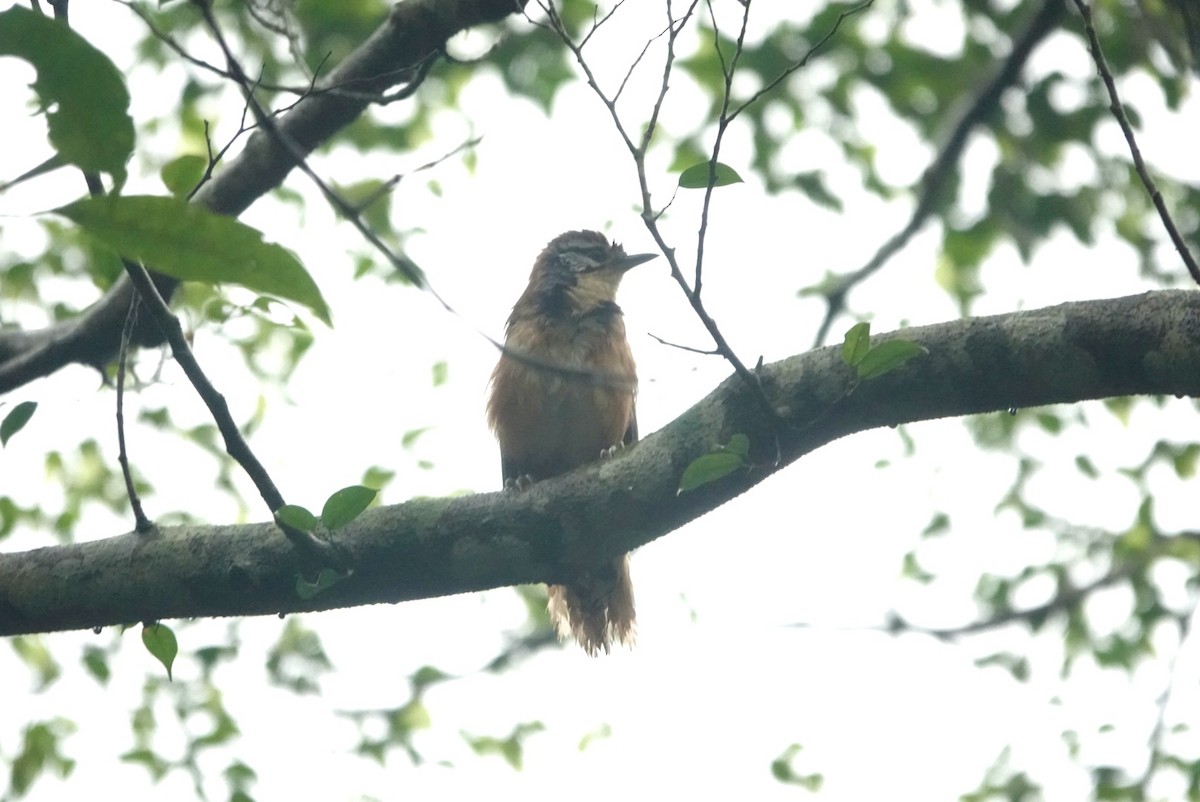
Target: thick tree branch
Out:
[392,55]
[1145,344]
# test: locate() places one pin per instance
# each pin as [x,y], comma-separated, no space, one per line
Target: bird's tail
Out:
[597,608]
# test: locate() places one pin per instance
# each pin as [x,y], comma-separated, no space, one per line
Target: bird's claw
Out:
[518,484]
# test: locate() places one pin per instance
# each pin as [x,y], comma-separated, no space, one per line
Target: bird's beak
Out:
[633,260]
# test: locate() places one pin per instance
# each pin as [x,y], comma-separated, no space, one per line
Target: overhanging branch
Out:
[1140,345]
[392,55]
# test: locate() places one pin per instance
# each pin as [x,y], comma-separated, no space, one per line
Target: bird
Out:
[564,394]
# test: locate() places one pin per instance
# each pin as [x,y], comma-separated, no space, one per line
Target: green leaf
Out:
[886,357]
[716,464]
[696,176]
[160,642]
[784,770]
[95,660]
[82,91]
[15,420]
[426,676]
[812,184]
[1086,467]
[193,244]
[345,505]
[441,372]
[409,438]
[856,344]
[296,517]
[181,175]
[377,478]
[326,578]
[738,444]
[32,650]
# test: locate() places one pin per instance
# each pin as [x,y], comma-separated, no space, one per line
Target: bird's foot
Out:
[518,484]
[610,452]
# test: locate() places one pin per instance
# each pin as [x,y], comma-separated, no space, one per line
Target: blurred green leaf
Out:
[510,748]
[181,175]
[40,752]
[441,372]
[377,478]
[812,184]
[297,658]
[95,660]
[33,652]
[410,437]
[81,90]
[783,770]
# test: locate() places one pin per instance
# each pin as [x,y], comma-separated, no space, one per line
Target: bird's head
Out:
[578,273]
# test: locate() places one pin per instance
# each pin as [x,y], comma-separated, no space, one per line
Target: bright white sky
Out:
[720,683]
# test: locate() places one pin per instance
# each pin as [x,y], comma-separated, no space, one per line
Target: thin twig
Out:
[803,60]
[638,153]
[235,445]
[349,211]
[689,348]
[301,92]
[937,176]
[1154,742]
[1139,164]
[387,186]
[142,524]
[723,120]
[1061,602]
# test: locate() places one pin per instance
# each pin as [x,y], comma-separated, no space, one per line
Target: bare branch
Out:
[638,153]
[235,445]
[803,60]
[944,165]
[301,91]
[413,30]
[142,524]
[1139,164]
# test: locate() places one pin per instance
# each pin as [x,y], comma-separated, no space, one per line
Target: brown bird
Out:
[563,395]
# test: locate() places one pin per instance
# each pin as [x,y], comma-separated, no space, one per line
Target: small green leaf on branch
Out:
[345,505]
[856,344]
[297,517]
[326,578]
[716,464]
[886,357]
[160,641]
